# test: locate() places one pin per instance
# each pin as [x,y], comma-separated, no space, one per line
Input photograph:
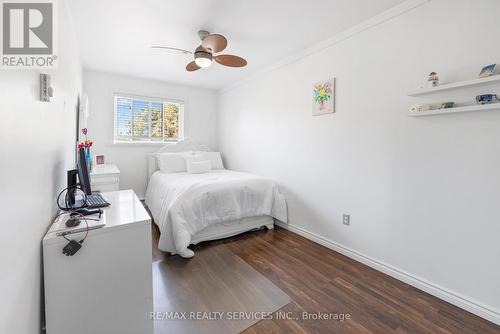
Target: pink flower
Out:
[84,131]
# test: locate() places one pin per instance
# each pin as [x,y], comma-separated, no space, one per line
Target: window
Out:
[142,119]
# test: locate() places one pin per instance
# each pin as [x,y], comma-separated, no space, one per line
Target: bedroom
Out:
[339,174]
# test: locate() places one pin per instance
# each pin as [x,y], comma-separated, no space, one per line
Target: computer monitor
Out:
[83,172]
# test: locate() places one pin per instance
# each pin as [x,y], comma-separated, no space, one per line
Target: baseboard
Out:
[481,310]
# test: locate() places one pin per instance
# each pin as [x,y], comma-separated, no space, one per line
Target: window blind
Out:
[147,120]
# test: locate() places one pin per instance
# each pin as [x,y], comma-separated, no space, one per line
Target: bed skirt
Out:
[230,228]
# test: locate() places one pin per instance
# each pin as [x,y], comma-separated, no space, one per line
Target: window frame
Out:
[149,99]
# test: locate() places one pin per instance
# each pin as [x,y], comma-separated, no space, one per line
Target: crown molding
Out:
[318,47]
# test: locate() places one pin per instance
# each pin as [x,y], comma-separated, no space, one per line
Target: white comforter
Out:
[183,204]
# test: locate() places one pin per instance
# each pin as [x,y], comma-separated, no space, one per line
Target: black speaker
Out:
[71,179]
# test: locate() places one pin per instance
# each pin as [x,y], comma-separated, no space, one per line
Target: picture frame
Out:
[487,71]
[99,160]
[323,99]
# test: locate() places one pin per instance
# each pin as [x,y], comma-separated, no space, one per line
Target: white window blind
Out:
[141,119]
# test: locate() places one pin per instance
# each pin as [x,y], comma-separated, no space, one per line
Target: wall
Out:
[37,147]
[131,158]
[423,193]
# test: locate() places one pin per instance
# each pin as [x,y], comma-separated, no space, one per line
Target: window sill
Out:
[144,144]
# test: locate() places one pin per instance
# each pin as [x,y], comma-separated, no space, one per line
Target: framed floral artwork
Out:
[324,97]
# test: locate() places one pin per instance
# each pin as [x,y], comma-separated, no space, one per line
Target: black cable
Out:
[72,211]
[79,216]
[86,229]
[66,200]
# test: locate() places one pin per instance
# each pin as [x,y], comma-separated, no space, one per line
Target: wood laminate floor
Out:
[215,280]
[321,280]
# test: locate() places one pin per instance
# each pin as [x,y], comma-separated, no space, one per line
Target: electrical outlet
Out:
[346,219]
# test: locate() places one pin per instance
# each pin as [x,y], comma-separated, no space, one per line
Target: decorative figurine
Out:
[486,98]
[447,105]
[433,79]
[487,71]
[419,108]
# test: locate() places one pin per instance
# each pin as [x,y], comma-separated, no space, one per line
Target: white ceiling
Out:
[116,35]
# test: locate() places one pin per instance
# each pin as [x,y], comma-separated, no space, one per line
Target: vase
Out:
[88,159]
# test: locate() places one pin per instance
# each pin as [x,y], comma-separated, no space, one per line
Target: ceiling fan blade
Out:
[230,60]
[192,67]
[171,49]
[214,42]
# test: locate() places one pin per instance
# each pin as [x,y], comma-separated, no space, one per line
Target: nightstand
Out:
[105,178]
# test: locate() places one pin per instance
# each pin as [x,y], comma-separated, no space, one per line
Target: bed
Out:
[189,206]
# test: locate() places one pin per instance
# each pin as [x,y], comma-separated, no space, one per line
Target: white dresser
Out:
[106,287]
[105,178]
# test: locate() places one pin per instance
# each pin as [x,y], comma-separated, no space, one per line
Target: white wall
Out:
[37,147]
[423,193]
[131,158]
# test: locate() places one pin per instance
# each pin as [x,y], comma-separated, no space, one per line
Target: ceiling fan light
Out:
[202,58]
[203,62]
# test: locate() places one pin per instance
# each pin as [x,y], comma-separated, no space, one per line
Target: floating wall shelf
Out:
[479,107]
[456,85]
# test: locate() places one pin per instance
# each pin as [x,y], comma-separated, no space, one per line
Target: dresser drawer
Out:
[104,179]
[106,187]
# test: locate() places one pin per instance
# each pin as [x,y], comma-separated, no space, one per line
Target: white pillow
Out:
[198,167]
[214,157]
[172,162]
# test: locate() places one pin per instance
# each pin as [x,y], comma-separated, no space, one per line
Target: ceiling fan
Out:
[204,54]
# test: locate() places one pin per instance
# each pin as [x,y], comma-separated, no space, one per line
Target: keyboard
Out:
[96,201]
